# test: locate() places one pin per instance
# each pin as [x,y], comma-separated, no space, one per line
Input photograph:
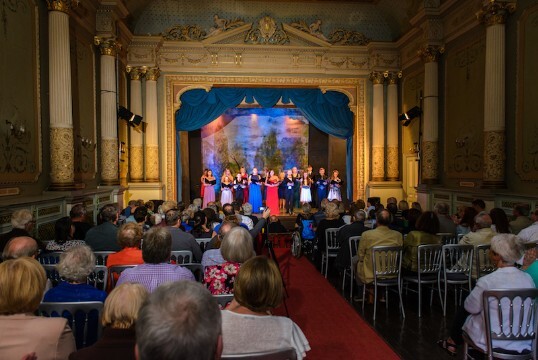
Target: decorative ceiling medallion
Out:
[267,33]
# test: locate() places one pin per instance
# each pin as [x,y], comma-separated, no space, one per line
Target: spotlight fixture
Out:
[132,119]
[409,115]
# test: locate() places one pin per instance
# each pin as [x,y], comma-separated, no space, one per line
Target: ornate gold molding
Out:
[136,72]
[430,161]
[430,53]
[377,77]
[495,12]
[109,161]
[378,163]
[62,157]
[107,45]
[393,76]
[61,5]
[153,74]
[136,162]
[152,164]
[392,163]
[494,157]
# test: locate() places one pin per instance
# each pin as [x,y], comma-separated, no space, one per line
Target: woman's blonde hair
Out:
[22,283]
[258,285]
[331,210]
[122,306]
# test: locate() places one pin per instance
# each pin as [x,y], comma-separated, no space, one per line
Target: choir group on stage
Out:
[284,192]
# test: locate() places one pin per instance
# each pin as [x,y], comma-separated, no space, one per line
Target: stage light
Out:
[132,119]
[409,115]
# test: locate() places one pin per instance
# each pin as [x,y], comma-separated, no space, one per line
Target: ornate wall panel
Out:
[464,110]
[527,125]
[20,134]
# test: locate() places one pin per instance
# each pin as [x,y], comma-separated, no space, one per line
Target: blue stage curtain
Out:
[329,112]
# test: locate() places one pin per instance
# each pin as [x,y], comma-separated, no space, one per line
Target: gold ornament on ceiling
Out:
[267,33]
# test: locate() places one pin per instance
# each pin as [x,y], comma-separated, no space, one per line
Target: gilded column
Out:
[392,126]
[109,118]
[152,128]
[378,128]
[430,122]
[136,152]
[493,14]
[62,175]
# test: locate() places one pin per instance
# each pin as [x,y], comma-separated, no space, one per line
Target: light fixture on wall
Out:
[131,118]
[409,115]
[17,131]
[461,142]
[87,143]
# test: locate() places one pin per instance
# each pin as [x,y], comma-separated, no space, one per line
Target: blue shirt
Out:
[66,292]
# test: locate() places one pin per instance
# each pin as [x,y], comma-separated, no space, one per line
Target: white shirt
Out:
[529,234]
[242,333]
[212,257]
[247,221]
[502,278]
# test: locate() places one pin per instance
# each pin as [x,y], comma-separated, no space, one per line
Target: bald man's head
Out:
[20,246]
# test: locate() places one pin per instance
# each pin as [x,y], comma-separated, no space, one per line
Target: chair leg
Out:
[440,297]
[344,281]
[375,299]
[363,296]
[419,300]
[387,297]
[351,284]
[444,302]
[400,295]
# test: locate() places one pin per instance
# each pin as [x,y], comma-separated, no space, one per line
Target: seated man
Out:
[80,221]
[181,240]
[530,234]
[446,224]
[103,237]
[482,233]
[356,228]
[20,246]
[180,320]
[275,226]
[521,218]
[156,270]
[382,235]
[22,223]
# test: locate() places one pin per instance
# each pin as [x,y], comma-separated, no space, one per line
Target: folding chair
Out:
[114,273]
[196,269]
[98,277]
[181,256]
[224,300]
[448,238]
[457,268]
[429,266]
[102,256]
[49,258]
[331,248]
[203,243]
[52,274]
[514,321]
[387,262]
[353,243]
[484,265]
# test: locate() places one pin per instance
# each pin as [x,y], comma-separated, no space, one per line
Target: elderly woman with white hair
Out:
[74,267]
[505,250]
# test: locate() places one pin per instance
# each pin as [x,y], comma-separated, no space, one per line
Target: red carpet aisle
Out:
[332,327]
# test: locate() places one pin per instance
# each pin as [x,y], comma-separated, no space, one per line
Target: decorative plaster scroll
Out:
[222,25]
[312,29]
[430,161]
[184,33]
[347,37]
[267,32]
[494,156]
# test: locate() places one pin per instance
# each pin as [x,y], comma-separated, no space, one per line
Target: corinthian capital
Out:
[136,72]
[153,74]
[431,53]
[61,5]
[107,45]
[392,76]
[495,12]
[377,77]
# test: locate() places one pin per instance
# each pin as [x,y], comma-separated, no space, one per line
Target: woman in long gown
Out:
[334,187]
[254,192]
[306,195]
[282,191]
[321,187]
[244,176]
[240,185]
[271,184]
[226,196]
[209,191]
[202,182]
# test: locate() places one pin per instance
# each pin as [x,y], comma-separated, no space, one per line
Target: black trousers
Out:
[289,200]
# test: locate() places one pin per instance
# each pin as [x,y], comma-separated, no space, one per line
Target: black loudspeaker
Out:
[132,119]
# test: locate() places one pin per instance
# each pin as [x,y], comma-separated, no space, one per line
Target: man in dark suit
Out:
[181,240]
[356,228]
[104,237]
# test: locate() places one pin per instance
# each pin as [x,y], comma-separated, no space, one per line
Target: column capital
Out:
[377,77]
[107,45]
[136,72]
[431,53]
[495,12]
[61,5]
[153,74]
[392,76]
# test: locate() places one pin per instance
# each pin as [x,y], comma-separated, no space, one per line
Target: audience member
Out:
[212,254]
[446,224]
[201,229]
[64,231]
[181,240]
[499,221]
[466,222]
[479,205]
[427,227]
[247,324]
[416,205]
[22,223]
[20,246]
[411,219]
[141,216]
[103,237]
[331,220]
[521,218]
[320,214]
[78,215]
[356,228]
[129,239]
[506,249]
[156,270]
[275,226]
[482,233]
[212,218]
[119,318]
[129,210]
[74,267]
[25,336]
[247,211]
[198,203]
[236,248]
[179,321]
[403,208]
[530,234]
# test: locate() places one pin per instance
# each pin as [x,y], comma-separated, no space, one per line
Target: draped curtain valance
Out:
[329,112]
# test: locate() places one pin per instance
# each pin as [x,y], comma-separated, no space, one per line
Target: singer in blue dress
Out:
[255,193]
[321,187]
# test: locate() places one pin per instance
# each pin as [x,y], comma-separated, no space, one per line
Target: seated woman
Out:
[236,248]
[129,238]
[426,227]
[505,250]
[466,223]
[332,220]
[64,231]
[74,267]
[22,283]
[119,316]
[247,324]
[201,230]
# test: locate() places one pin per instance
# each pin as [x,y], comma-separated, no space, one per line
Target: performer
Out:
[202,182]
[271,184]
[321,186]
[306,197]
[227,173]
[255,194]
[209,191]
[290,183]
[282,191]
[334,187]
[240,185]
[297,187]
[226,196]
[244,176]
[312,184]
